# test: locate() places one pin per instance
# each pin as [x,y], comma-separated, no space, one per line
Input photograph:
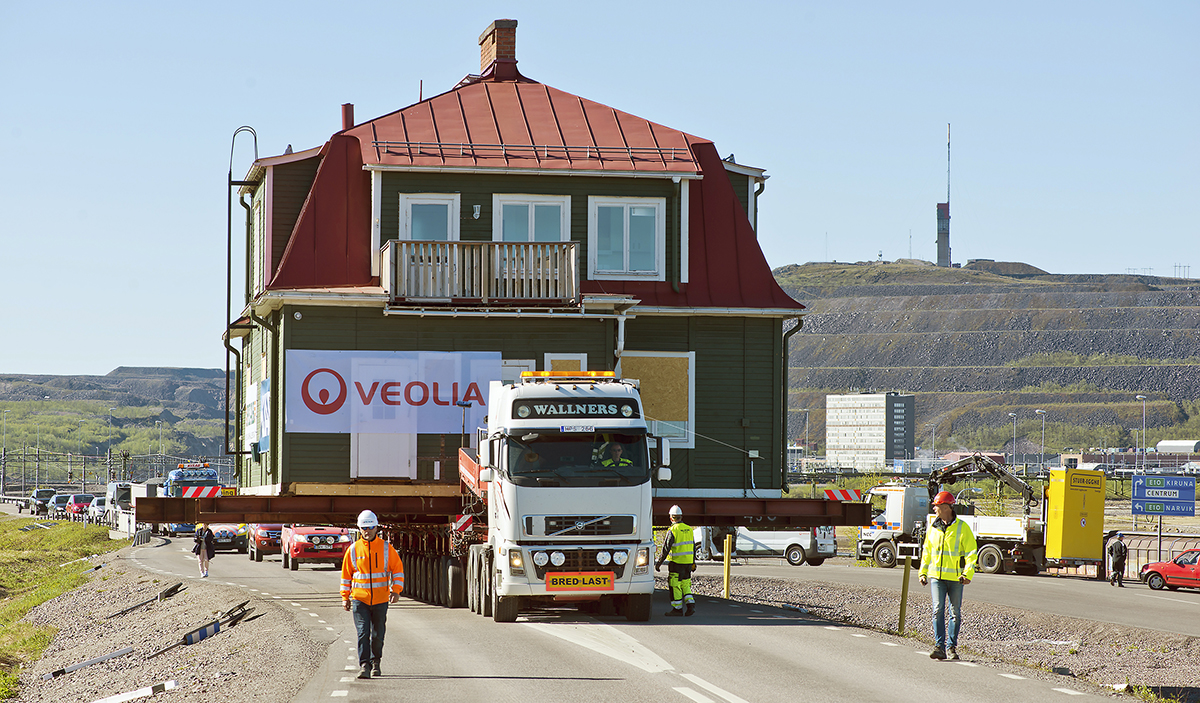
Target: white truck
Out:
[564,468]
[810,545]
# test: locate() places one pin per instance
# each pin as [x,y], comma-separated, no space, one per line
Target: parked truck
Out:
[1066,531]
[566,522]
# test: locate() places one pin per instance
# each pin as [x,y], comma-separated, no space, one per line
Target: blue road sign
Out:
[1164,495]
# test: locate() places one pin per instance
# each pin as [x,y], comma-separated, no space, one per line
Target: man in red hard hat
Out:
[948,563]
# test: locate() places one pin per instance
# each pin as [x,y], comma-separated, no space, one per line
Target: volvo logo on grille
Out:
[579,524]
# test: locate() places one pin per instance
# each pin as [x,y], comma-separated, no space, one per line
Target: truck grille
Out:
[577,560]
[589,525]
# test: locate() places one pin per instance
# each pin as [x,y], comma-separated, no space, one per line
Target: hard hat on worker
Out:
[367,519]
[944,498]
[675,511]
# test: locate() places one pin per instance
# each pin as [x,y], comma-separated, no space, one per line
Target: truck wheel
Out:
[816,562]
[990,559]
[637,607]
[458,585]
[505,608]
[885,554]
[294,564]
[795,555]
[1155,581]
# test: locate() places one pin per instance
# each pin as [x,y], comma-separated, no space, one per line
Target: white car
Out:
[811,545]
[95,510]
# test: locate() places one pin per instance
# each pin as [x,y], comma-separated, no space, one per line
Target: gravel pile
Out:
[267,659]
[1099,653]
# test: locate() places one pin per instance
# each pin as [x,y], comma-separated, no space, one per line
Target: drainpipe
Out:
[229,282]
[677,230]
[762,185]
[273,374]
[783,435]
[620,340]
[249,261]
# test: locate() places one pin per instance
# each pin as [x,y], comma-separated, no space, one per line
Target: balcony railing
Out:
[488,273]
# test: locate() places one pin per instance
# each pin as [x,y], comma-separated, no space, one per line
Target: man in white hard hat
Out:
[372,577]
[680,553]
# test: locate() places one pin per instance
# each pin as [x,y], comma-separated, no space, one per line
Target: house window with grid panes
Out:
[531,218]
[429,216]
[627,238]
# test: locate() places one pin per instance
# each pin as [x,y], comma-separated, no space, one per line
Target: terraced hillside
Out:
[975,345]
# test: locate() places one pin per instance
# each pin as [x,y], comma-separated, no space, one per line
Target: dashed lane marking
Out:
[889,644]
[1069,692]
[329,628]
[855,634]
[352,668]
[311,614]
[755,611]
[831,627]
[322,621]
[713,689]
[1177,600]
[694,695]
[339,694]
[346,679]
[295,604]
[1013,676]
[962,663]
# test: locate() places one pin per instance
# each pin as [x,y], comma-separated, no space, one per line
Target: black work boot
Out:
[366,672]
[375,669]
[691,609]
[937,653]
[674,613]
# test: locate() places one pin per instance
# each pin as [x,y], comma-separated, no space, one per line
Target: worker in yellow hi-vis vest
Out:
[679,550]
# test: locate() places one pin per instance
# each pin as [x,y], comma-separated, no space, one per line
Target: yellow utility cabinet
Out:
[1075,515]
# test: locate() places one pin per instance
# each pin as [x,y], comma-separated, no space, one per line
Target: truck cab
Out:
[896,511]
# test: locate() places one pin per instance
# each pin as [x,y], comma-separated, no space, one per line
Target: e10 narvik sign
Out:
[387,392]
[1164,495]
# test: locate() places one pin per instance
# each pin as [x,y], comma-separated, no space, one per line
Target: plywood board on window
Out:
[664,384]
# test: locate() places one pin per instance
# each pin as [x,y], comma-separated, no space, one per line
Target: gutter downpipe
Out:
[678,233]
[229,278]
[762,185]
[783,434]
[274,330]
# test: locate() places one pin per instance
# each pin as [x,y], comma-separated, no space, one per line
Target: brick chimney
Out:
[347,115]
[498,50]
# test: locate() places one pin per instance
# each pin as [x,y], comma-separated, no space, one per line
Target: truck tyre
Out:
[990,559]
[457,585]
[885,554]
[1155,581]
[816,562]
[294,564]
[637,607]
[795,555]
[505,609]
[443,578]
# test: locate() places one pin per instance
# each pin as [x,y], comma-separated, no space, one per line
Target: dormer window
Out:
[531,218]
[429,216]
[627,238]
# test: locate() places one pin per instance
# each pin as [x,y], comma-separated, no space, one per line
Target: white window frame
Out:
[550,357]
[407,200]
[499,200]
[660,238]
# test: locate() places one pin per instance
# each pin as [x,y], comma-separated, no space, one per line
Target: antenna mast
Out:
[947,163]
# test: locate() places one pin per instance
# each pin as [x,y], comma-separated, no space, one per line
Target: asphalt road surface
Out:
[727,652]
[1073,596]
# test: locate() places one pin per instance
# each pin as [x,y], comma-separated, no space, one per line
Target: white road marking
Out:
[339,694]
[699,698]
[295,604]
[889,644]
[1177,600]
[755,611]
[304,608]
[312,614]
[352,657]
[855,634]
[831,627]
[346,679]
[962,663]
[606,640]
[322,621]
[1069,692]
[351,668]
[714,689]
[329,628]
[1013,676]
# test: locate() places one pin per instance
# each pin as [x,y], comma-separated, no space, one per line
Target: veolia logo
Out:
[323,405]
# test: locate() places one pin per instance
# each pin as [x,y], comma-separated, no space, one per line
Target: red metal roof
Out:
[522,124]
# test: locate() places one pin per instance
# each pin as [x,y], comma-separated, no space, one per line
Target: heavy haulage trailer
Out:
[554,507]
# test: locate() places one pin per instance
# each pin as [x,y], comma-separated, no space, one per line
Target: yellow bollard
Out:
[904,593]
[726,551]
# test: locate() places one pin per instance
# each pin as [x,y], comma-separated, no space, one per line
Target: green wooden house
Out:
[501,226]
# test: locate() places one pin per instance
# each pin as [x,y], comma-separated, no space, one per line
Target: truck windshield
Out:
[553,459]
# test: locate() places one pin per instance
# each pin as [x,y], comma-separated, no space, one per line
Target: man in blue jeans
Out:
[948,562]
[372,578]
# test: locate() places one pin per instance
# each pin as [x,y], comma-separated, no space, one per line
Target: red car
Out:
[1181,572]
[264,539]
[78,503]
[312,544]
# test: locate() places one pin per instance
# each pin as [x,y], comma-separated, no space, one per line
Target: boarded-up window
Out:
[668,388]
[565,362]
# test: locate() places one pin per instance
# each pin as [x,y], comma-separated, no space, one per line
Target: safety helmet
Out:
[1120,535]
[944,498]
[367,519]
[675,511]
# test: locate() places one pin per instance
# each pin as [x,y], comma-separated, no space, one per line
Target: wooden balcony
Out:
[481,273]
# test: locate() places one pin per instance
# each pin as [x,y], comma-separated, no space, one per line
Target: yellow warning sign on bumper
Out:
[580,581]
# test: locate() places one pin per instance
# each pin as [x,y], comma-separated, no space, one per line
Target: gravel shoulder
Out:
[268,659]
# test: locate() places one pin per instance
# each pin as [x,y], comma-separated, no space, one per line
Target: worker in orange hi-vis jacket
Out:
[372,578]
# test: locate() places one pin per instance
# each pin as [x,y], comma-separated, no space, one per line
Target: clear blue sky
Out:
[1076,146]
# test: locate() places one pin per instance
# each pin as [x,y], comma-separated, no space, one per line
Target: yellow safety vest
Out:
[683,550]
[949,553]
[371,572]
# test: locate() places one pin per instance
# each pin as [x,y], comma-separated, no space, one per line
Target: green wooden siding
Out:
[290,186]
[741,188]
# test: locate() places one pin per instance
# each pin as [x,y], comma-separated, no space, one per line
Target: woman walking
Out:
[204,548]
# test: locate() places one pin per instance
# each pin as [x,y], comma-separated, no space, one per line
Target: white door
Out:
[383,455]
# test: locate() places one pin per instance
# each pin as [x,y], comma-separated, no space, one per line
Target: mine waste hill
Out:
[976,343]
[72,413]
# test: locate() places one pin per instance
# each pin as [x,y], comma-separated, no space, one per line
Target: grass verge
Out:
[33,570]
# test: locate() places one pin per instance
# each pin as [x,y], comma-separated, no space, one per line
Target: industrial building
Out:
[869,431]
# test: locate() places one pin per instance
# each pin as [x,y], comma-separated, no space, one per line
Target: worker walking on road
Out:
[372,578]
[948,562]
[1117,552]
[679,550]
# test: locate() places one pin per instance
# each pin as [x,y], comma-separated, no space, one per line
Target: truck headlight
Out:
[642,564]
[620,558]
[603,558]
[541,558]
[516,564]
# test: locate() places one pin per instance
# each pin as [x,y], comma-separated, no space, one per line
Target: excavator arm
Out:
[974,465]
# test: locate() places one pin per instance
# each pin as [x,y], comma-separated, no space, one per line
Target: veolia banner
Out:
[387,392]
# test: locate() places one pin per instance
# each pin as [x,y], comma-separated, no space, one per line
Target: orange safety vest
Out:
[371,572]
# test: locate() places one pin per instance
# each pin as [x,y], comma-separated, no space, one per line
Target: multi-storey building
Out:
[868,431]
[501,226]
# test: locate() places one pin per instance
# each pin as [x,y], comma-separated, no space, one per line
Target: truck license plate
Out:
[580,581]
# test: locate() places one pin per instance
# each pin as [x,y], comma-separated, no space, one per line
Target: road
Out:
[1073,596]
[728,652]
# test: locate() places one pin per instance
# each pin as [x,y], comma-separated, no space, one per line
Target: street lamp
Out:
[1042,456]
[1014,451]
[4,455]
[1143,399]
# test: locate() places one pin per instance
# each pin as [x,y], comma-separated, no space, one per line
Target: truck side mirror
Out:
[485,449]
[664,451]
[664,474]
[487,475]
